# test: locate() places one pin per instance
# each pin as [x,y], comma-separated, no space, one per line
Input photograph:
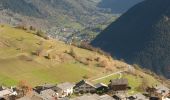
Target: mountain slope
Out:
[20,6]
[58,13]
[142,36]
[118,6]
[26,56]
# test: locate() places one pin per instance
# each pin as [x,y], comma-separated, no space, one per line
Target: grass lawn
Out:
[134,81]
[15,70]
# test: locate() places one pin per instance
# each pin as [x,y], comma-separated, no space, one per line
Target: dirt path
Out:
[119,72]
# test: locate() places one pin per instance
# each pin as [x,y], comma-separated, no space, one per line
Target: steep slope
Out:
[20,6]
[59,13]
[118,6]
[52,16]
[26,56]
[142,36]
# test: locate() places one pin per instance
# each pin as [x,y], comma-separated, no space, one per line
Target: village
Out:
[117,89]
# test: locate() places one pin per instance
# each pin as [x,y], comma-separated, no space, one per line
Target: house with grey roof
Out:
[65,89]
[84,87]
[48,94]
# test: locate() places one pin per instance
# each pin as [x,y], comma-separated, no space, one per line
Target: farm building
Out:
[118,84]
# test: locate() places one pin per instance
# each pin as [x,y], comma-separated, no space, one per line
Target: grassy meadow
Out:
[17,61]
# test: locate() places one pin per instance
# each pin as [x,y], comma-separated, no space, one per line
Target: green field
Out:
[16,47]
[18,63]
[134,81]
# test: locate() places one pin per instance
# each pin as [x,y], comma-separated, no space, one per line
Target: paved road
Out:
[119,72]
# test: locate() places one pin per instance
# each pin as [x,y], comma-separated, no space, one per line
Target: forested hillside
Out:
[142,36]
[59,13]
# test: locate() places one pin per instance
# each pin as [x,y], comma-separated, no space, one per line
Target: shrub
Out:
[103,63]
[85,76]
[83,61]
[24,87]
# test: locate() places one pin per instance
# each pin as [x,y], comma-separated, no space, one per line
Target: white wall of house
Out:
[165,98]
[69,91]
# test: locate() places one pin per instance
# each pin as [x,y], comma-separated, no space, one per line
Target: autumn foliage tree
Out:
[24,87]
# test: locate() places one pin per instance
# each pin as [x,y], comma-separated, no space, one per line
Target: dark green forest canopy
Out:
[141,35]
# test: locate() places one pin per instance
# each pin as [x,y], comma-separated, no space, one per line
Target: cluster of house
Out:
[84,90]
[7,92]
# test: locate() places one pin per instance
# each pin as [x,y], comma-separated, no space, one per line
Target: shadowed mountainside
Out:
[142,36]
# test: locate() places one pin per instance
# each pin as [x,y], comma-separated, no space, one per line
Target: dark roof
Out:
[48,85]
[132,98]
[119,81]
[84,82]
[116,97]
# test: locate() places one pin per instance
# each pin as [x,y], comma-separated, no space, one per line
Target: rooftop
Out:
[48,94]
[83,82]
[100,85]
[65,86]
[119,81]
[5,92]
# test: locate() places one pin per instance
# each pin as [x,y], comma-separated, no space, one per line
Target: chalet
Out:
[65,89]
[101,88]
[84,87]
[118,84]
